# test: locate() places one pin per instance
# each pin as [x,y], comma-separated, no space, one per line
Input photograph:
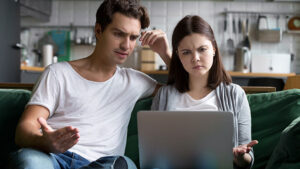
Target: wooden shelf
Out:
[293,31]
[258,89]
[261,74]
[235,74]
[28,86]
[158,72]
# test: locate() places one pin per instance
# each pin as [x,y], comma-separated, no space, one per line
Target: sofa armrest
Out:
[132,150]
[12,103]
[286,154]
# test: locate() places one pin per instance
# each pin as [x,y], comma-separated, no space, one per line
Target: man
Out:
[80,110]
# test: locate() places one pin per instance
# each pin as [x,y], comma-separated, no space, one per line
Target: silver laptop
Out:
[185,139]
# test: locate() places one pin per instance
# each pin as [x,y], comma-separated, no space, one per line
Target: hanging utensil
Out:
[234,31]
[224,39]
[230,42]
[247,40]
[240,35]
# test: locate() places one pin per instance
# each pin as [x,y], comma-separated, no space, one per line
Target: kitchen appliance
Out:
[242,59]
[271,62]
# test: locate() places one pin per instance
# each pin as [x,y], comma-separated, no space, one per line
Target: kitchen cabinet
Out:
[38,9]
[30,76]
[271,63]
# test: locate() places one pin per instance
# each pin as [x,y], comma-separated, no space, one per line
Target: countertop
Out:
[32,68]
[237,74]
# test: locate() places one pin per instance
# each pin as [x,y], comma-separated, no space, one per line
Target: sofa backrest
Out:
[271,114]
[12,103]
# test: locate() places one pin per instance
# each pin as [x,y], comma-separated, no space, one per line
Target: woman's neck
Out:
[198,87]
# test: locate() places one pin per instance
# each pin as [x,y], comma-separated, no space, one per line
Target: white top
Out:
[100,110]
[187,103]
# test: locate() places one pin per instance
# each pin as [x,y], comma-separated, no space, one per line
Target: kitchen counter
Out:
[159,72]
[32,68]
[30,74]
[165,72]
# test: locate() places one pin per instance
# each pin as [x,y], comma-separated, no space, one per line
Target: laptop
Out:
[185,139]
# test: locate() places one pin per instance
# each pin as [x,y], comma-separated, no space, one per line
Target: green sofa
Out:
[275,123]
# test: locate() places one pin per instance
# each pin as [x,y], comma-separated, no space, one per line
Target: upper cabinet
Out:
[37,9]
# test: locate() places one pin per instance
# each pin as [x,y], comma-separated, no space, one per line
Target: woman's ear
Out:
[214,52]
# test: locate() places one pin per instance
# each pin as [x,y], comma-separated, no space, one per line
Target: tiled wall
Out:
[165,14]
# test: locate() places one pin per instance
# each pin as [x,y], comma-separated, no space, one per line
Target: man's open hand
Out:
[58,141]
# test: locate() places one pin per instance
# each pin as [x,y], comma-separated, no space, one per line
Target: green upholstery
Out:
[271,114]
[12,103]
[275,123]
[132,150]
[287,152]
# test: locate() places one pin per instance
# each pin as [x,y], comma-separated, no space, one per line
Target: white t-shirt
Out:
[100,110]
[187,103]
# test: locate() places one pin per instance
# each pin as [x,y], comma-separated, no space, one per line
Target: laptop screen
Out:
[185,139]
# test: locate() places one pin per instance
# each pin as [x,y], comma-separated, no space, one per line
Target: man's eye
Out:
[133,38]
[118,34]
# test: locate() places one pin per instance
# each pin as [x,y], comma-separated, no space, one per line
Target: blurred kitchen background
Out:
[258,38]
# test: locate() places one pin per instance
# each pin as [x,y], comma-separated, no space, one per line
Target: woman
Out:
[198,81]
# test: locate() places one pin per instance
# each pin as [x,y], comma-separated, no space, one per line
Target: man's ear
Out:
[98,30]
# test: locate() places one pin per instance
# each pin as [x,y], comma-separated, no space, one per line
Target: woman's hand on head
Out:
[241,153]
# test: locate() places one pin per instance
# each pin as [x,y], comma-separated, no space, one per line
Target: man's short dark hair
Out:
[130,8]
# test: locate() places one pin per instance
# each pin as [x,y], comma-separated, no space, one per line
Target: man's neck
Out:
[94,68]
[96,63]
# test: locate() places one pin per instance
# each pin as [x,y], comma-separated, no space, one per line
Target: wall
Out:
[165,14]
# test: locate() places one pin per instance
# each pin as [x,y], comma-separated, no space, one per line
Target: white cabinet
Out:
[271,63]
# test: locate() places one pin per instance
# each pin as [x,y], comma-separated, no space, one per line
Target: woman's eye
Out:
[186,52]
[202,49]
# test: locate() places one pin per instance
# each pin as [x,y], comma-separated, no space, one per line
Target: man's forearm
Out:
[166,57]
[29,135]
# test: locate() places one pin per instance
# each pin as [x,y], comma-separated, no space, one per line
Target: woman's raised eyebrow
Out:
[185,50]
[203,46]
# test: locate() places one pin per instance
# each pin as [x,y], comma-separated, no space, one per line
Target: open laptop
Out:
[185,139]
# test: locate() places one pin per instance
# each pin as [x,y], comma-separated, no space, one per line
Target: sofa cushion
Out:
[12,103]
[271,114]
